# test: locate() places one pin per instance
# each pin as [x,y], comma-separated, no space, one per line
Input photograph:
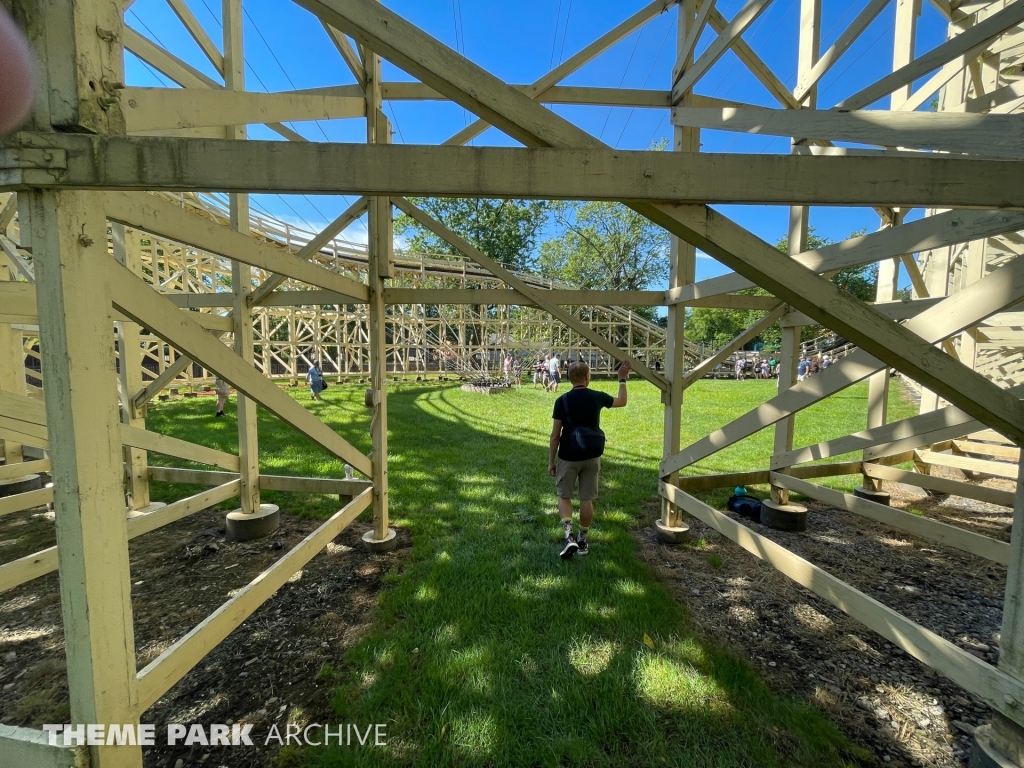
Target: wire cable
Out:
[646,80]
[565,32]
[623,79]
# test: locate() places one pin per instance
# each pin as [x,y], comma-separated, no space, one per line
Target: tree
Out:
[715,327]
[506,230]
[605,246]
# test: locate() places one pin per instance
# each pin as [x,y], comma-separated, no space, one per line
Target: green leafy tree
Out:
[605,246]
[506,230]
[715,327]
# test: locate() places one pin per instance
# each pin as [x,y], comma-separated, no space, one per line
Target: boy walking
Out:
[577,437]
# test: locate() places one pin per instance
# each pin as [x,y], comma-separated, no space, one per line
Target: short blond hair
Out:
[579,372]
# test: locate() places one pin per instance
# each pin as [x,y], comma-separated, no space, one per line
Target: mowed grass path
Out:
[489,650]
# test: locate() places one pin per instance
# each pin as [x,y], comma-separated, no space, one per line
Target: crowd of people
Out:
[768,367]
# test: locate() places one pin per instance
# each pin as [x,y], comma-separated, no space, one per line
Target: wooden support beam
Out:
[884,435]
[172,446]
[755,64]
[505,296]
[940,484]
[132,163]
[932,232]
[573,63]
[162,217]
[69,244]
[31,747]
[746,16]
[926,528]
[983,680]
[163,109]
[174,663]
[209,48]
[27,500]
[261,294]
[135,299]
[950,316]
[850,35]
[1005,452]
[980,34]
[24,569]
[537,297]
[692,483]
[348,54]
[22,468]
[966,463]
[163,380]
[745,336]
[999,136]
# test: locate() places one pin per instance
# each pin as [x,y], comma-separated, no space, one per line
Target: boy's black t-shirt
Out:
[584,406]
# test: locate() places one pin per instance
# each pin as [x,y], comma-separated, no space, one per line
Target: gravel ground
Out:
[882,698]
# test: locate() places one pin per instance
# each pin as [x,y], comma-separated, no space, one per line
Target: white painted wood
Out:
[31,748]
[950,316]
[348,54]
[164,671]
[69,235]
[980,34]
[11,471]
[151,109]
[162,217]
[940,484]
[22,501]
[995,468]
[926,528]
[746,16]
[146,307]
[1000,136]
[24,569]
[809,79]
[126,163]
[983,680]
[172,446]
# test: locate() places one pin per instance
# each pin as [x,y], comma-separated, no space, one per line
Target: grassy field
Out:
[489,650]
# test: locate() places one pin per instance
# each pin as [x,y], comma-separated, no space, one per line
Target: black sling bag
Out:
[588,442]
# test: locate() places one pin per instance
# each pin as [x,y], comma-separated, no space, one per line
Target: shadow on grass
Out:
[489,650]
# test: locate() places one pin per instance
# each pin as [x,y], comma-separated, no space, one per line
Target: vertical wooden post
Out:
[69,236]
[807,55]
[241,274]
[682,271]
[130,374]
[12,369]
[378,131]
[936,280]
[1002,742]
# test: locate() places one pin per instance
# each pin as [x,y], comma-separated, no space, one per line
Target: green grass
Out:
[487,649]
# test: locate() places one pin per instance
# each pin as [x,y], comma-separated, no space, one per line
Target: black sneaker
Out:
[583,544]
[570,547]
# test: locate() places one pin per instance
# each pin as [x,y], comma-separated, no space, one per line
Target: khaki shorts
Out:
[566,473]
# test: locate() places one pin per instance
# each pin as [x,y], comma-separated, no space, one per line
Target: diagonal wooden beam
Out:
[744,336]
[838,48]
[348,53]
[157,385]
[410,48]
[688,45]
[981,33]
[998,290]
[537,297]
[944,229]
[162,217]
[138,301]
[746,16]
[185,15]
[10,207]
[350,214]
[573,63]
[756,64]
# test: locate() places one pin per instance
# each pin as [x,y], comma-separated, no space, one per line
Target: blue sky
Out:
[286,48]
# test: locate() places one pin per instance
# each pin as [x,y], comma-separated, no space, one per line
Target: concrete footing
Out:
[243,527]
[374,545]
[879,497]
[22,484]
[783,517]
[671,534]
[998,745]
